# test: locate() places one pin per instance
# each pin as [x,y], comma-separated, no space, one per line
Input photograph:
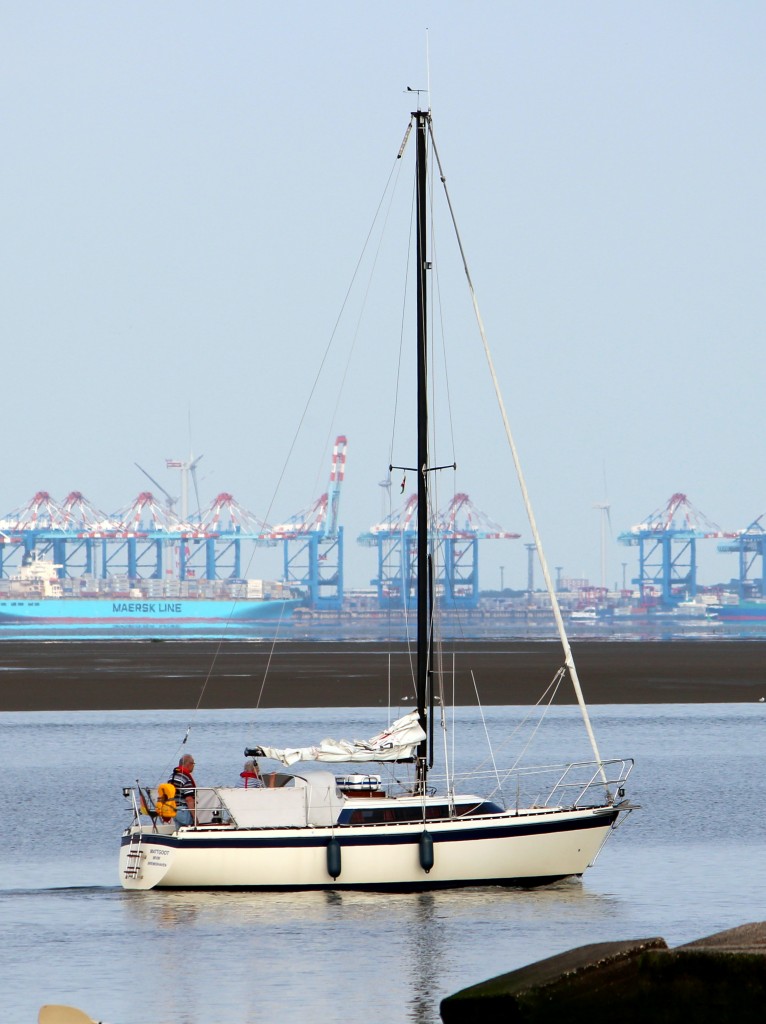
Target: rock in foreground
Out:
[718,978]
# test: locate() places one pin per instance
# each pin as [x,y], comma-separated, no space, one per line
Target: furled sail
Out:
[396,743]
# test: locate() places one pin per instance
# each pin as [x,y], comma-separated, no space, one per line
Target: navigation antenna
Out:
[428,70]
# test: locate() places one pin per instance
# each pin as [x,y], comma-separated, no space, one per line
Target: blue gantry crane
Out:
[455,536]
[313,541]
[749,544]
[667,550]
[395,538]
[211,542]
[23,529]
[146,540]
[66,533]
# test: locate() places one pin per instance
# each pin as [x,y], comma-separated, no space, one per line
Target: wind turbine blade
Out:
[194,481]
[158,485]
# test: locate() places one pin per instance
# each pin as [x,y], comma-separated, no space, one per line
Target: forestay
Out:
[396,743]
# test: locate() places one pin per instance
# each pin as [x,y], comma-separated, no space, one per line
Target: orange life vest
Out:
[166,801]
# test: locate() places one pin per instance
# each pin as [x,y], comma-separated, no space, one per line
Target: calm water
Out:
[688,864]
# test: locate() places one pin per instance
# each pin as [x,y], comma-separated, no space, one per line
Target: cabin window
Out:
[435,812]
[485,807]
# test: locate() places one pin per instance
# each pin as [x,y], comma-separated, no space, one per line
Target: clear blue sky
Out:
[186,187]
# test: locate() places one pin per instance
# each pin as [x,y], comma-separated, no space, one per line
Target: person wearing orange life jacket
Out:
[183,780]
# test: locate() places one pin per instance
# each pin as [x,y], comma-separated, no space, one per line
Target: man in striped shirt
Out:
[183,780]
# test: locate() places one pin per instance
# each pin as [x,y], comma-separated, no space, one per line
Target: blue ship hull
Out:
[745,611]
[135,613]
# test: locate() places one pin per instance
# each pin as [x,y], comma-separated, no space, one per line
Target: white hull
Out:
[530,847]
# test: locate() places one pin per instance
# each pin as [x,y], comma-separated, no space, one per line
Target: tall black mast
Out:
[422,119]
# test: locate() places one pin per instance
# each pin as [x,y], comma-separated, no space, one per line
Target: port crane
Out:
[152,541]
[139,540]
[83,528]
[211,547]
[23,528]
[455,534]
[145,540]
[34,530]
[65,532]
[667,550]
[395,538]
[749,544]
[312,541]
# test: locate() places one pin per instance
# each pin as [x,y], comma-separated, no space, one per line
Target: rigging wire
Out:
[522,484]
[395,172]
[288,457]
[555,683]
[318,375]
[543,702]
[331,339]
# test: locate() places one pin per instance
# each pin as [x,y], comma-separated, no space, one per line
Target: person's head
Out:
[251,765]
[187,761]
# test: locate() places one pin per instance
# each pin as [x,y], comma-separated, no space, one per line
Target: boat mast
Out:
[422,119]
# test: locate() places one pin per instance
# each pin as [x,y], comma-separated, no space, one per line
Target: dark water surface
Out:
[688,864]
[145,674]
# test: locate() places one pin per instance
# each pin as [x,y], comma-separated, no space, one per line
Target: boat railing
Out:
[133,794]
[577,784]
[603,777]
[209,808]
[543,787]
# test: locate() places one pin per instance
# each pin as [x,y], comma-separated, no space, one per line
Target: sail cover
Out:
[396,743]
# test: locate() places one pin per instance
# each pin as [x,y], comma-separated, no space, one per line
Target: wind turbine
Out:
[187,469]
[606,521]
[385,497]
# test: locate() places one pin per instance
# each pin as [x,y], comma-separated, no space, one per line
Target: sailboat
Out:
[313,828]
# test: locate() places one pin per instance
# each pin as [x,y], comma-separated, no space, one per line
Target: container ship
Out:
[37,597]
[743,611]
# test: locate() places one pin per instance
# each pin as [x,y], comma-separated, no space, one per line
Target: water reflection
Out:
[430,943]
[426,961]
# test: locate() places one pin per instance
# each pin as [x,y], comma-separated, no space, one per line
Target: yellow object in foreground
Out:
[55,1014]
[166,804]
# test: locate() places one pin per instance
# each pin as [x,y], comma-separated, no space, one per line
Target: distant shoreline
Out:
[125,675]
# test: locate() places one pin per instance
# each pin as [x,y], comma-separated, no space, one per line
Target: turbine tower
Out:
[606,522]
[188,469]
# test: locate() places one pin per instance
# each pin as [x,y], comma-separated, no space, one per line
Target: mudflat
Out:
[114,675]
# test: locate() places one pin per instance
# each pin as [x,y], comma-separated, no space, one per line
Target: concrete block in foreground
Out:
[719,978]
[746,938]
